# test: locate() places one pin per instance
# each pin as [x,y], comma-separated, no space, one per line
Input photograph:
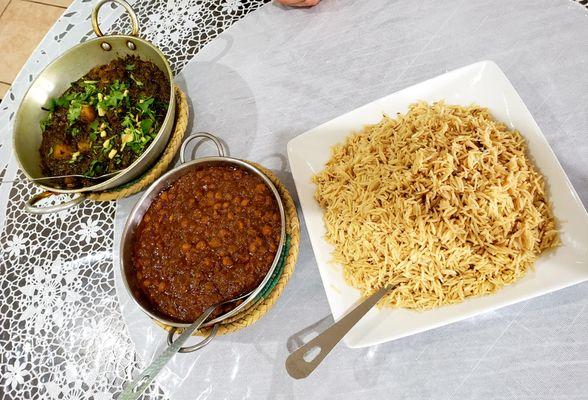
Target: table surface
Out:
[70,332]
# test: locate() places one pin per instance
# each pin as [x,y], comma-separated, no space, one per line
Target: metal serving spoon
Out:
[299,368]
[134,389]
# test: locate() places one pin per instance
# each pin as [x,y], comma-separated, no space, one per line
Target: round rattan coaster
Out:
[283,272]
[175,141]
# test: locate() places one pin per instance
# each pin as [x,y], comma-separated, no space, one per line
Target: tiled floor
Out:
[23,23]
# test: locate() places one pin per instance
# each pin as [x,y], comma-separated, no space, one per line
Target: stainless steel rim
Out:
[143,204]
[130,41]
[168,119]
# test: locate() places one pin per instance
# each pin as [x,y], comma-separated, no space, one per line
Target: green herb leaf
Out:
[96,168]
[46,122]
[94,130]
[130,67]
[137,82]
[65,100]
[73,113]
[114,97]
[128,121]
[145,125]
[144,106]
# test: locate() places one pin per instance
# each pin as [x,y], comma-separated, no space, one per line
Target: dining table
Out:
[257,74]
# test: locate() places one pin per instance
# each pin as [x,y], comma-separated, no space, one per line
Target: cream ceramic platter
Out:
[482,83]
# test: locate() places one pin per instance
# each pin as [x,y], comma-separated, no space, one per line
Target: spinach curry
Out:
[104,121]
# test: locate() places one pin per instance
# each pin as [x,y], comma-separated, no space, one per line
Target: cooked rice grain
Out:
[441,202]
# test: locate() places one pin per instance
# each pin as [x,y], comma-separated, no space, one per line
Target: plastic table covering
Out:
[268,78]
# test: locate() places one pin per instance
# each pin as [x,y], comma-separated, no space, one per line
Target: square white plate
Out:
[482,83]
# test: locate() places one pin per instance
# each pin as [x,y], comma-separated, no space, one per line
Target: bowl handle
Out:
[203,135]
[197,346]
[30,204]
[127,7]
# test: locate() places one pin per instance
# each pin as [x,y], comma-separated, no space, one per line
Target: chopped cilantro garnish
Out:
[94,125]
[46,122]
[73,113]
[116,94]
[96,168]
[146,125]
[128,104]
[144,106]
[137,82]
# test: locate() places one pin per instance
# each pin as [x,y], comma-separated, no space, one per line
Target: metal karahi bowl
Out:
[138,212]
[56,78]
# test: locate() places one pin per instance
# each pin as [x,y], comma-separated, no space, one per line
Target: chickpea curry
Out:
[104,121]
[211,236]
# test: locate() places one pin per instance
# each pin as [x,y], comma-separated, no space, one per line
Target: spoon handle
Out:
[299,368]
[137,387]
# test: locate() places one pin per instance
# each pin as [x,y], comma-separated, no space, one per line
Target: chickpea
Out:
[227,261]
[186,247]
[218,195]
[226,204]
[161,286]
[214,243]
[240,225]
[252,247]
[266,230]
[217,206]
[244,202]
[201,245]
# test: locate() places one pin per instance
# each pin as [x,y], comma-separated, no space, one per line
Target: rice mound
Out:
[442,202]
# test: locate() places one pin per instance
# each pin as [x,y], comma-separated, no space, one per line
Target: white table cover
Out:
[276,74]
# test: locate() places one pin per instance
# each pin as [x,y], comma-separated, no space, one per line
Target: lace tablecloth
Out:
[63,335]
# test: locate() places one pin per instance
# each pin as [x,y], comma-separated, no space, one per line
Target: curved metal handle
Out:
[30,203]
[297,365]
[138,385]
[197,346]
[127,7]
[202,135]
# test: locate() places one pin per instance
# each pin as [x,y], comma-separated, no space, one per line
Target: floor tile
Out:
[3,89]
[22,26]
[59,3]
[3,4]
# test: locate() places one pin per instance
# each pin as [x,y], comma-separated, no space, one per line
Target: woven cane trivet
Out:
[284,270]
[159,168]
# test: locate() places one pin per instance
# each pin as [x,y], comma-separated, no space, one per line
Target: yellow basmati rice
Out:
[441,202]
